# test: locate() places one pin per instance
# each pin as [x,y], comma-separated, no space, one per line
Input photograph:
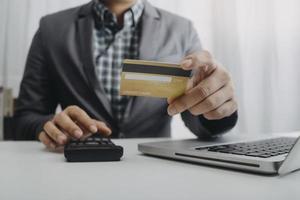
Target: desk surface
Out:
[28,171]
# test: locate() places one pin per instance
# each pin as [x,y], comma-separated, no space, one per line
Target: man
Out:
[75,61]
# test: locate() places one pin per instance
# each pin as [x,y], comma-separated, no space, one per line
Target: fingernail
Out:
[93,128]
[78,133]
[106,126]
[84,137]
[171,110]
[186,63]
[61,139]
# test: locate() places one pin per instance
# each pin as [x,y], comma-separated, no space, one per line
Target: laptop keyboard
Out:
[263,148]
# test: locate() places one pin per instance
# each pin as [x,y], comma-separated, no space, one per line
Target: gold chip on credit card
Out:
[154,79]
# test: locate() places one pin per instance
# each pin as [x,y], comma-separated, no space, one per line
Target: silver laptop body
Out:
[194,150]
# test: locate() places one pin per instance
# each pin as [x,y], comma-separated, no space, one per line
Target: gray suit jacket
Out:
[60,70]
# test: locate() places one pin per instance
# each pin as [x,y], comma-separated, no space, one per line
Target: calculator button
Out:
[92,143]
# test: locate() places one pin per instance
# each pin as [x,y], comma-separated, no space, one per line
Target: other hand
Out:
[73,122]
[210,91]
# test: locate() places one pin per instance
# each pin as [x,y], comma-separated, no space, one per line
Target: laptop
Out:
[274,155]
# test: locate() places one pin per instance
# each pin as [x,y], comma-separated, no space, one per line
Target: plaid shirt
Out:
[112,44]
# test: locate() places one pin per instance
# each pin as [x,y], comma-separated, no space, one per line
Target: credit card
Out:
[153,79]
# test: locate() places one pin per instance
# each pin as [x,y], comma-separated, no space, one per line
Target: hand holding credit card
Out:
[154,79]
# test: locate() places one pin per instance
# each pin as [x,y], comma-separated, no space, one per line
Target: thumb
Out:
[198,60]
[186,64]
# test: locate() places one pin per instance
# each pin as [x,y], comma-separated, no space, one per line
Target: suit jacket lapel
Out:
[85,25]
[150,32]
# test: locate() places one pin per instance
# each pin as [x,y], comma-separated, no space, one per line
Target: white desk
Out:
[27,171]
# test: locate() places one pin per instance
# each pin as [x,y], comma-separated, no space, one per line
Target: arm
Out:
[37,102]
[35,108]
[193,116]
[204,128]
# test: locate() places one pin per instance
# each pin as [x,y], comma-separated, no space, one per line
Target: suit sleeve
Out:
[37,102]
[199,125]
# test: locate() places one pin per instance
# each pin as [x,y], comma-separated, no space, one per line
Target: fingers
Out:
[210,90]
[103,128]
[81,117]
[63,121]
[199,59]
[73,122]
[205,88]
[46,140]
[224,110]
[54,133]
[213,101]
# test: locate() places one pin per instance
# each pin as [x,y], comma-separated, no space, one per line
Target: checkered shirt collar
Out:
[131,16]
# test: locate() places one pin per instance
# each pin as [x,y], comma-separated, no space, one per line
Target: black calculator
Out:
[92,149]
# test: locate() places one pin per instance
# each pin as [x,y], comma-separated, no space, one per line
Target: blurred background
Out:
[257,40]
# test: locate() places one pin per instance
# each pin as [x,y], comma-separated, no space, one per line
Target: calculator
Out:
[93,149]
